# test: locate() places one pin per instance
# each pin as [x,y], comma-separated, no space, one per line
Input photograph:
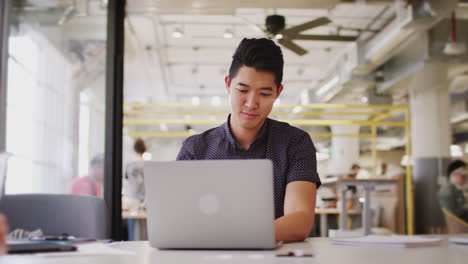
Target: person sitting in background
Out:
[91,185]
[3,234]
[358,173]
[134,172]
[451,195]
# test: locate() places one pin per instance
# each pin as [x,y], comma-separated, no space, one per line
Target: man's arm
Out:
[299,212]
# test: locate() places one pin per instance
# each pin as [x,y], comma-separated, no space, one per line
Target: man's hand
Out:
[299,212]
[3,234]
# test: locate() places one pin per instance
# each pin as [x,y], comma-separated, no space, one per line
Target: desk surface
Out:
[322,248]
[357,181]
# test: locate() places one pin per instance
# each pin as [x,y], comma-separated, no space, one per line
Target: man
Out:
[91,185]
[359,173]
[253,85]
[451,195]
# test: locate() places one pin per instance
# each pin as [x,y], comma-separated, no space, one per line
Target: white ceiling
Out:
[161,68]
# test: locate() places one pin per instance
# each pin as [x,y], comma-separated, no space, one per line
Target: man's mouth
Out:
[249,115]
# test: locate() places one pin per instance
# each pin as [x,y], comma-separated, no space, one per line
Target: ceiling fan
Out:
[275,28]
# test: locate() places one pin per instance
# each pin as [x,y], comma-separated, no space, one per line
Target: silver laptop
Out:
[210,204]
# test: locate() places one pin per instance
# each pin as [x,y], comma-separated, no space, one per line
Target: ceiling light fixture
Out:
[163,127]
[195,100]
[279,36]
[215,100]
[147,156]
[297,109]
[327,86]
[177,33]
[228,34]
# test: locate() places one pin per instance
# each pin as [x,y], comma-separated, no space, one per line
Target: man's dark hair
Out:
[262,54]
[139,146]
[355,166]
[454,165]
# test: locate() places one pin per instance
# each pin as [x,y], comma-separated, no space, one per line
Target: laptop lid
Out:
[212,204]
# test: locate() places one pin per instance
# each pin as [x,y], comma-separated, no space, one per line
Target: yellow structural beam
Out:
[310,106]
[409,178]
[187,134]
[299,122]
[383,116]
[225,113]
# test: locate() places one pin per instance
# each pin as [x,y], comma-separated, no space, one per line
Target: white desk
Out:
[368,185]
[322,248]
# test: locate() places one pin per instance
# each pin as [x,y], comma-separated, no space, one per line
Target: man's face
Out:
[97,172]
[251,96]
[459,176]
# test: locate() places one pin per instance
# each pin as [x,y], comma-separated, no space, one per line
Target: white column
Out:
[431,139]
[344,150]
[430,112]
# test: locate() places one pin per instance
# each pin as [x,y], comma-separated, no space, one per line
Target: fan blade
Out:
[323,37]
[308,25]
[292,46]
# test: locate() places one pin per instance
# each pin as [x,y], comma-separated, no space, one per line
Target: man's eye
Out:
[242,91]
[265,94]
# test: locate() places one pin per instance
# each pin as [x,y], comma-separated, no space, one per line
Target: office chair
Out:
[455,224]
[55,214]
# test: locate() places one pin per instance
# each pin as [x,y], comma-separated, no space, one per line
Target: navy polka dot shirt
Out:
[289,148]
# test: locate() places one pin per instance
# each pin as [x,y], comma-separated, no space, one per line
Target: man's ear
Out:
[280,89]
[227,81]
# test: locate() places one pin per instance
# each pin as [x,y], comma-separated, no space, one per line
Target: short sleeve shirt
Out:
[289,148]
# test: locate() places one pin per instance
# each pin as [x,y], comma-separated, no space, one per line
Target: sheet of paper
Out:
[90,249]
[389,241]
[459,240]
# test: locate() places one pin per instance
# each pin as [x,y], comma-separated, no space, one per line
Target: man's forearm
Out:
[294,227]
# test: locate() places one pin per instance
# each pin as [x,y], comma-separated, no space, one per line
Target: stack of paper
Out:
[459,240]
[389,241]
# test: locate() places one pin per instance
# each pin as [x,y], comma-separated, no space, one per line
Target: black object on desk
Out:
[28,248]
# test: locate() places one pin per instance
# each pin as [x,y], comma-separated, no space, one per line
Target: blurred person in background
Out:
[451,195]
[134,172]
[91,185]
[358,173]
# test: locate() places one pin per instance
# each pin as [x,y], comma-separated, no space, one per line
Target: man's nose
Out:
[252,101]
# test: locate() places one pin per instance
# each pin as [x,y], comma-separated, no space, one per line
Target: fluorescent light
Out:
[177,33]
[305,97]
[279,36]
[297,109]
[327,86]
[215,100]
[322,156]
[277,102]
[228,34]
[195,100]
[163,127]
[456,151]
[147,156]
